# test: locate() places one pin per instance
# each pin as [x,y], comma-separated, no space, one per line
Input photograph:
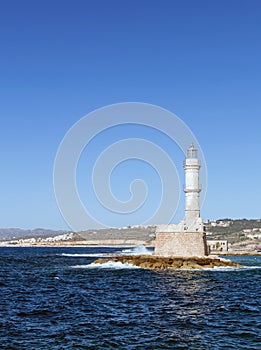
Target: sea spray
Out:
[138,250]
[108,265]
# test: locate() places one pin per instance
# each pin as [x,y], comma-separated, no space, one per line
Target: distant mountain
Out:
[9,233]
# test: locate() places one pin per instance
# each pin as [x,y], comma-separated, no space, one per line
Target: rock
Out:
[154,262]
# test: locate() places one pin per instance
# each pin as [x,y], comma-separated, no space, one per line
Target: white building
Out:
[217,246]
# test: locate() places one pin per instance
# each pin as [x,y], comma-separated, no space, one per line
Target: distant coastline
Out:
[118,244]
[243,237]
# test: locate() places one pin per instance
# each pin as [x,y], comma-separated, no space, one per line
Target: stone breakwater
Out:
[169,263]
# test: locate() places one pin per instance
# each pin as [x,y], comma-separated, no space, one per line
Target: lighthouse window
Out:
[192,153]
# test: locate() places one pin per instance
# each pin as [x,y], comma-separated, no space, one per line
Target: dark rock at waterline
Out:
[170,263]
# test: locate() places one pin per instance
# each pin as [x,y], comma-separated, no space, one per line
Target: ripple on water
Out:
[47,304]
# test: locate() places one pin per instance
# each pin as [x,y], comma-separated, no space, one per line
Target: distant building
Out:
[220,223]
[217,246]
[254,236]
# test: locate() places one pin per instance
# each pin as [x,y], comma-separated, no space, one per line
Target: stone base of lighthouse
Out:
[186,244]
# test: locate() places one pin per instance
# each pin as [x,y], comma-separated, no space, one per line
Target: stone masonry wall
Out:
[181,244]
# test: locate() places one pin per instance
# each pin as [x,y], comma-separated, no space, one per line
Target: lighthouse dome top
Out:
[192,152]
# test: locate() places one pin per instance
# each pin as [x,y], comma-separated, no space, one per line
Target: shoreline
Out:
[122,245]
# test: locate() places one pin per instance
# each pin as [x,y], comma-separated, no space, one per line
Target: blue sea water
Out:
[52,298]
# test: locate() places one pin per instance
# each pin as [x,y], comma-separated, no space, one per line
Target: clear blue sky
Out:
[62,59]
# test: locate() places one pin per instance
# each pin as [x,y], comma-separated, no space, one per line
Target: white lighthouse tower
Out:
[188,238]
[192,188]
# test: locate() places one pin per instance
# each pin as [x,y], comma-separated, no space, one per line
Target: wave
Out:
[119,266]
[138,250]
[84,255]
[107,265]
[222,268]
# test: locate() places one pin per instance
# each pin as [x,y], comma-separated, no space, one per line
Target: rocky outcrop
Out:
[169,263]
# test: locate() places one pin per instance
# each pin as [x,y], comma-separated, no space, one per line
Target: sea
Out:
[55,298]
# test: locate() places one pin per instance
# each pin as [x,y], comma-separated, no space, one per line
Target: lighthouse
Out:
[192,188]
[187,238]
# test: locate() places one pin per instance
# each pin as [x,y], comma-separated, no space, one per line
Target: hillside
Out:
[238,233]
[143,233]
[234,231]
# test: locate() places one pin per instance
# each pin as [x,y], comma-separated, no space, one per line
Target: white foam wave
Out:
[107,265]
[222,268]
[251,267]
[139,250]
